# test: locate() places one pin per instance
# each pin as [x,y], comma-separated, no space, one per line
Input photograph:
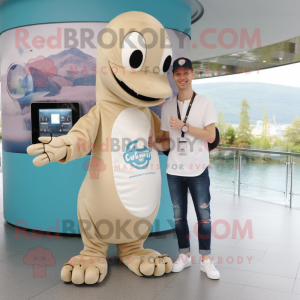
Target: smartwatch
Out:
[185,127]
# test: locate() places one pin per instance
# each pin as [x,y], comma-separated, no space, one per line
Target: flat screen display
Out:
[53,118]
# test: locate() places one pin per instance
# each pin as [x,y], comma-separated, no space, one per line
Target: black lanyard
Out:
[188,111]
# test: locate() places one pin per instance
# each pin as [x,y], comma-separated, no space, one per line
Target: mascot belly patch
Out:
[136,167]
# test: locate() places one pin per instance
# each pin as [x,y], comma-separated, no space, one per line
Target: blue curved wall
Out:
[173,14]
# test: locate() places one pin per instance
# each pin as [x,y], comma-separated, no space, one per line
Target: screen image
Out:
[55,120]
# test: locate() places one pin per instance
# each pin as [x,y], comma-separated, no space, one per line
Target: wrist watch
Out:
[185,127]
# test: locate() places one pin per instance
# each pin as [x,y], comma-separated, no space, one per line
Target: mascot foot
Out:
[148,264]
[84,269]
[156,266]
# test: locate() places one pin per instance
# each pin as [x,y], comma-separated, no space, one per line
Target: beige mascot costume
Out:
[120,205]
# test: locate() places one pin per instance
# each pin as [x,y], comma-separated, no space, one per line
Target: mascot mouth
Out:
[132,92]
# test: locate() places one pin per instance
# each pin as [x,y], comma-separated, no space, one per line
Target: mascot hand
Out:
[53,151]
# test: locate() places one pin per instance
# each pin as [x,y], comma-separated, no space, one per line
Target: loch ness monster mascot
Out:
[131,77]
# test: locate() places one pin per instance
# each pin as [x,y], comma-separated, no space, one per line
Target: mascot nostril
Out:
[119,203]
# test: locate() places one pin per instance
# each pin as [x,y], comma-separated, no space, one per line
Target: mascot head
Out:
[134,55]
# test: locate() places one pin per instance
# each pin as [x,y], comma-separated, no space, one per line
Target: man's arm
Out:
[163,144]
[159,139]
[156,122]
[207,134]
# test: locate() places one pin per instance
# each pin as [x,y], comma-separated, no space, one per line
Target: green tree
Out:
[296,148]
[244,134]
[221,127]
[278,141]
[265,123]
[221,123]
[255,141]
[292,135]
[230,134]
[264,139]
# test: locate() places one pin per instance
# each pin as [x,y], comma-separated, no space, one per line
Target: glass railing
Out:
[268,175]
[223,170]
[296,183]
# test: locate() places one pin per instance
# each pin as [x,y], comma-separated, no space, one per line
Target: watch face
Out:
[184,128]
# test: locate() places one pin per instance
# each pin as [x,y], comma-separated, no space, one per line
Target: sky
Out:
[284,75]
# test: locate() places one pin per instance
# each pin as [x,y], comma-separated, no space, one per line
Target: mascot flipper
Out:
[119,200]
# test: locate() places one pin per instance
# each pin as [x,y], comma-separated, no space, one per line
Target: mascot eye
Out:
[166,58]
[133,51]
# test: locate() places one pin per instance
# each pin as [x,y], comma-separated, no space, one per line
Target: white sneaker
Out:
[208,267]
[182,262]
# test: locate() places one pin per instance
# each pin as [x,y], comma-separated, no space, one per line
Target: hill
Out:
[283,101]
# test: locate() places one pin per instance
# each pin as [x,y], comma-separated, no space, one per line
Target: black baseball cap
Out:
[182,62]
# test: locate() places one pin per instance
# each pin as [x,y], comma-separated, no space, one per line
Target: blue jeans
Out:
[199,189]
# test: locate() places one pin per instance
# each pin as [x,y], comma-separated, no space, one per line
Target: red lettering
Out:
[75,71]
[36,40]
[55,38]
[21,39]
[202,38]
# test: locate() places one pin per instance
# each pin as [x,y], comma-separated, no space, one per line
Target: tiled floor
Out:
[265,266]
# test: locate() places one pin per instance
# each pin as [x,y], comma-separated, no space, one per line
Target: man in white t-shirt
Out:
[188,121]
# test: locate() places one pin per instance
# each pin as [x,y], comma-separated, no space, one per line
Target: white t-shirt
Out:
[202,113]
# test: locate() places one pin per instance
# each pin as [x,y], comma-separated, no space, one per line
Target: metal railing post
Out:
[286,179]
[234,168]
[239,182]
[292,174]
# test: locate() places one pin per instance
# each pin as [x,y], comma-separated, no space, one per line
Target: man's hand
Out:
[176,123]
[152,140]
[162,145]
